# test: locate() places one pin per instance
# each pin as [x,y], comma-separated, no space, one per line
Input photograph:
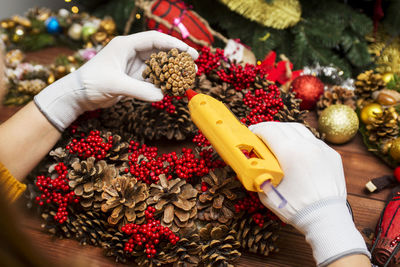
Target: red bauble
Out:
[308,88]
[176,12]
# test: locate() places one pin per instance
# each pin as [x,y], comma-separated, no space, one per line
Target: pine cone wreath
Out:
[219,246]
[217,203]
[256,239]
[87,179]
[184,253]
[176,201]
[88,228]
[336,95]
[173,71]
[126,198]
[114,244]
[384,126]
[367,83]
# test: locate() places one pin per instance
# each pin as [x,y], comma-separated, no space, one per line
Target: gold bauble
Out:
[339,123]
[394,151]
[369,112]
[99,37]
[387,77]
[22,21]
[108,25]
[51,79]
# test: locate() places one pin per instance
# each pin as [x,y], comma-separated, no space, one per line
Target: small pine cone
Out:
[87,179]
[114,117]
[114,244]
[219,246]
[87,228]
[173,71]
[336,95]
[256,239]
[291,111]
[31,87]
[176,201]
[119,150]
[217,203]
[384,126]
[126,198]
[184,253]
[367,83]
[59,154]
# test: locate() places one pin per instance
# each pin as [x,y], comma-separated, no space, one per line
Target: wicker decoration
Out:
[126,198]
[87,179]
[173,71]
[220,246]
[256,239]
[113,243]
[383,126]
[217,203]
[367,83]
[336,95]
[176,200]
[184,253]
[88,228]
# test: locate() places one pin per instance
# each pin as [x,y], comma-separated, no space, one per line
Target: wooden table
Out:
[359,167]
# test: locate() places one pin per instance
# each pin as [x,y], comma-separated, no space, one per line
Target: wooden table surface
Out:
[359,167]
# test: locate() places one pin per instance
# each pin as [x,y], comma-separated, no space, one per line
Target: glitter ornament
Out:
[75,31]
[339,123]
[308,88]
[394,151]
[53,25]
[369,112]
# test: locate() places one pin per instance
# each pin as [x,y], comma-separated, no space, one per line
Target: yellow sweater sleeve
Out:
[9,185]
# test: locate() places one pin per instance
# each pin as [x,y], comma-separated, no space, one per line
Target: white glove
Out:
[115,72]
[315,189]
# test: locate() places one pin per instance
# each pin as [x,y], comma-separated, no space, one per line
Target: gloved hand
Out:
[315,189]
[115,72]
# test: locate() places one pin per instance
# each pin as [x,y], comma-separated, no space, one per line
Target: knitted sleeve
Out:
[9,185]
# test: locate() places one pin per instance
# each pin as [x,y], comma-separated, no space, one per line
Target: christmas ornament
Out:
[394,150]
[108,25]
[280,72]
[279,14]
[386,97]
[308,88]
[369,112]
[339,123]
[236,51]
[387,77]
[174,72]
[385,248]
[174,17]
[75,31]
[87,30]
[52,25]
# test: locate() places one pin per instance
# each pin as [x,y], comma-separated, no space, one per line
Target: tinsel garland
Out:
[280,14]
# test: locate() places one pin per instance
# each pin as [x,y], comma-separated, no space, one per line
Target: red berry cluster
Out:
[200,140]
[211,162]
[240,77]
[91,146]
[56,191]
[166,103]
[148,236]
[252,205]
[264,105]
[208,61]
[146,165]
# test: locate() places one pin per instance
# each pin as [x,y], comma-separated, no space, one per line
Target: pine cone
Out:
[119,150]
[176,200]
[384,126]
[217,203]
[31,87]
[367,83]
[336,95]
[114,244]
[174,72]
[256,239]
[220,247]
[184,253]
[291,110]
[126,198]
[87,179]
[87,228]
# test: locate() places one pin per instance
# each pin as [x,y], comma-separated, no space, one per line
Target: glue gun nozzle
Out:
[190,94]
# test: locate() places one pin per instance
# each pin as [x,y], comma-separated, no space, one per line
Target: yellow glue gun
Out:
[249,157]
